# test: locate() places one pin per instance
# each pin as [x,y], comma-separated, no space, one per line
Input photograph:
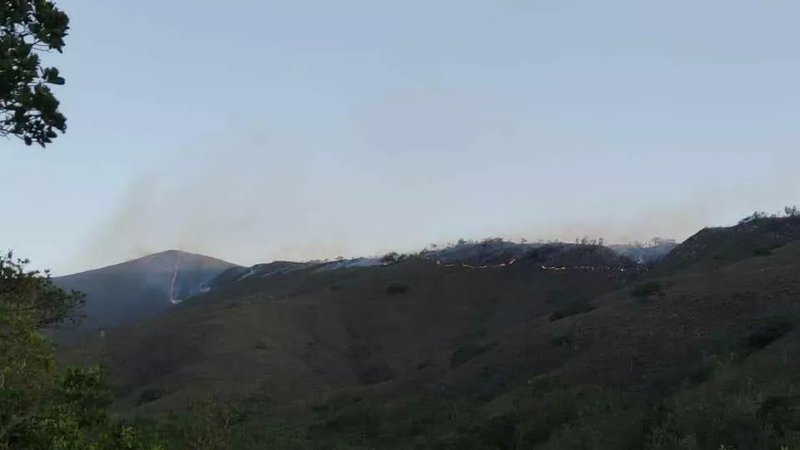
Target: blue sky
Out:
[255,130]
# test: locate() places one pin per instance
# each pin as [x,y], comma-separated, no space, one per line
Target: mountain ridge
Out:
[123,293]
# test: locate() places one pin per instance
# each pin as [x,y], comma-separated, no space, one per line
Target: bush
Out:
[467,352]
[730,411]
[499,432]
[563,339]
[150,395]
[764,334]
[376,374]
[396,287]
[761,251]
[570,310]
[43,406]
[645,290]
[392,258]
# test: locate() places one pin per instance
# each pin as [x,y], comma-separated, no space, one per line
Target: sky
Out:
[296,129]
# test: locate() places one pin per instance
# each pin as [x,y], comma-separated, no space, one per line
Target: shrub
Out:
[570,310]
[561,340]
[499,432]
[729,412]
[150,395]
[645,290]
[743,338]
[467,352]
[767,333]
[391,258]
[564,337]
[762,251]
[376,374]
[396,287]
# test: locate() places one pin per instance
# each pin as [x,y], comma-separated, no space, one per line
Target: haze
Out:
[264,130]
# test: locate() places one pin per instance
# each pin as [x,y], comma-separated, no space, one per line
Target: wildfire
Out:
[467,266]
[548,268]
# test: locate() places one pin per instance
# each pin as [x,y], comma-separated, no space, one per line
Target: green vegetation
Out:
[734,410]
[28,108]
[592,386]
[743,339]
[711,368]
[729,411]
[43,406]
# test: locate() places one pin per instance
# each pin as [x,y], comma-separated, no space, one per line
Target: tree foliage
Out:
[28,108]
[34,295]
[43,406]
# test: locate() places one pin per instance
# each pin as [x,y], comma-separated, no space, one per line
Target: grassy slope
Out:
[716,247]
[471,358]
[711,361]
[304,333]
[124,293]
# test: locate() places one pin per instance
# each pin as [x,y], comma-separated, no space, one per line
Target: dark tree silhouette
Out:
[28,108]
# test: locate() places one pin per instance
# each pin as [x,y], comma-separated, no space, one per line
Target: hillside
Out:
[309,331]
[712,247]
[567,346]
[494,252]
[124,293]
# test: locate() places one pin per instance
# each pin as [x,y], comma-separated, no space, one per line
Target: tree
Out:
[34,294]
[44,406]
[791,211]
[28,108]
[390,258]
[758,215]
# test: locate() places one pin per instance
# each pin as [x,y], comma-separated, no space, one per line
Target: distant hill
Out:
[127,292]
